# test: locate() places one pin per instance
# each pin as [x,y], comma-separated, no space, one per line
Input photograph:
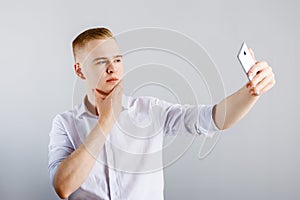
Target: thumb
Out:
[101,93]
[98,96]
[252,54]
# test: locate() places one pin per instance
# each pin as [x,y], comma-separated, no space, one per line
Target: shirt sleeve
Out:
[194,119]
[60,146]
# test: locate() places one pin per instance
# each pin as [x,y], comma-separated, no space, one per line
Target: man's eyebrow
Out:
[105,58]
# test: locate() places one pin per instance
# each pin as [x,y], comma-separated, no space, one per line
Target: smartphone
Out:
[245,58]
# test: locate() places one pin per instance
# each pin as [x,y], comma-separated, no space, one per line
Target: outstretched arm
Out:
[234,107]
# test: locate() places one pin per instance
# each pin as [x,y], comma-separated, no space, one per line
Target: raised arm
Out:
[74,169]
[234,107]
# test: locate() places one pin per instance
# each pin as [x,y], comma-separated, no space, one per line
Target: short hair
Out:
[90,34]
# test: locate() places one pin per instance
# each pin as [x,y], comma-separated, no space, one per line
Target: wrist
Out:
[251,92]
[104,126]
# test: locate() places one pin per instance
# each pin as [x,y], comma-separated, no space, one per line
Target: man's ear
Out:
[78,71]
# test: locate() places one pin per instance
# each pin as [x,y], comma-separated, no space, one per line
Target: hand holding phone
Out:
[245,58]
[266,79]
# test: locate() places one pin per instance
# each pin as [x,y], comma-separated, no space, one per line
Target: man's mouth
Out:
[112,80]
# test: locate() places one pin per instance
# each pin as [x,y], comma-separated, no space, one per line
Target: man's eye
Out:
[118,60]
[101,62]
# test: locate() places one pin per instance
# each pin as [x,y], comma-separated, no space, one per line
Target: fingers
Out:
[267,80]
[268,87]
[263,80]
[99,94]
[103,95]
[118,88]
[115,98]
[262,84]
[259,66]
[119,85]
[252,53]
[263,73]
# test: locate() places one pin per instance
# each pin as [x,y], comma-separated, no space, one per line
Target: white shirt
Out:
[129,165]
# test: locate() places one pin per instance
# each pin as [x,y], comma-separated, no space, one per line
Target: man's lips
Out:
[112,80]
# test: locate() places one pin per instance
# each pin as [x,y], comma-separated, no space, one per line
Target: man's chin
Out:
[103,92]
[106,90]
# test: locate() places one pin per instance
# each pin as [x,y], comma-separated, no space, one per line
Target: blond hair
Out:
[91,34]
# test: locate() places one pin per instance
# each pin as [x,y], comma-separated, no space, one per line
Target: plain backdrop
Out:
[258,158]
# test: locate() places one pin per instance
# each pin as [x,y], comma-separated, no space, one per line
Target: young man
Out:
[87,134]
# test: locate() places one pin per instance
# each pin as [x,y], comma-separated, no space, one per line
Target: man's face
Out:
[100,61]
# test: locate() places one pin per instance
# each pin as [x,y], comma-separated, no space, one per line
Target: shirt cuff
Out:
[211,128]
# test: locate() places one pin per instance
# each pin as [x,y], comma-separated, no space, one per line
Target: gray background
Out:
[256,159]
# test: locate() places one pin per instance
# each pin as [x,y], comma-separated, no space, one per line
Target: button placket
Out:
[113,178]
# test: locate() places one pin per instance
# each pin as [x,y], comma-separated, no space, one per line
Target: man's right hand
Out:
[109,105]
[74,169]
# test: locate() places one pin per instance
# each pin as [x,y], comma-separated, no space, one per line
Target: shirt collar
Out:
[82,109]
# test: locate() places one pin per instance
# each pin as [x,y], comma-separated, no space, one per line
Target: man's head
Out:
[97,59]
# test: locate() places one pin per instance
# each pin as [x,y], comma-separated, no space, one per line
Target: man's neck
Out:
[91,108]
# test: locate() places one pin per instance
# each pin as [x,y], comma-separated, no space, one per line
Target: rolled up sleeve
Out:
[60,146]
[194,119]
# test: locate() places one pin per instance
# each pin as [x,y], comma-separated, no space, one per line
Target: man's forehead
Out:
[101,48]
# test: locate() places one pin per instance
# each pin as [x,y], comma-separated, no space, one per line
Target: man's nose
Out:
[111,68]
